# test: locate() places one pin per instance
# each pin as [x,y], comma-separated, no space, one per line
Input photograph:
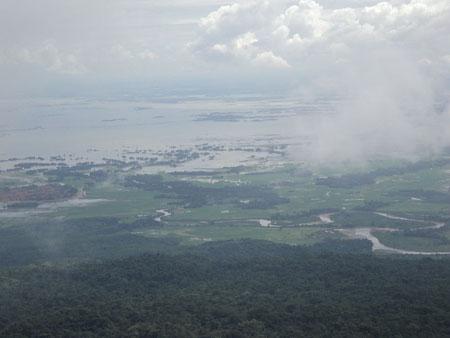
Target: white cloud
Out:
[214,19]
[306,19]
[147,55]
[319,40]
[244,47]
[249,13]
[46,56]
[130,55]
[388,58]
[270,60]
[386,55]
[220,48]
[299,32]
[245,41]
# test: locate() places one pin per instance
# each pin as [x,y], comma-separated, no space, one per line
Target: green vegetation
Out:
[228,203]
[198,234]
[55,241]
[362,219]
[191,195]
[107,250]
[431,240]
[232,289]
[46,192]
[357,179]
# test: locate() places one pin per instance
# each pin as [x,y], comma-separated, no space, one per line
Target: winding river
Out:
[366,233]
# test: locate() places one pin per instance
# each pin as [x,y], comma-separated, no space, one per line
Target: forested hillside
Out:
[232,289]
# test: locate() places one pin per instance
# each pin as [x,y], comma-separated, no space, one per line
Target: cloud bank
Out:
[310,37]
[387,60]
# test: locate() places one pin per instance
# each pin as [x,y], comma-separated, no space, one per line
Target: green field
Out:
[228,203]
[191,235]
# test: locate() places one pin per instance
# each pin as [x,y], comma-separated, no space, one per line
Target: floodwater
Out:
[90,130]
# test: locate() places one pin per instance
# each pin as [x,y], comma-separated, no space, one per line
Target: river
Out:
[367,233]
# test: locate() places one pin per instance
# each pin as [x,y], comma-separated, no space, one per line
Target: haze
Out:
[387,62]
[215,168]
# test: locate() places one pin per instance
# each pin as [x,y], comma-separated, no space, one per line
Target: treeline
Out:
[46,192]
[192,195]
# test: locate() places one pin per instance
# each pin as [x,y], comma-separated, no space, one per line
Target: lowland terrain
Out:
[95,210]
[144,247]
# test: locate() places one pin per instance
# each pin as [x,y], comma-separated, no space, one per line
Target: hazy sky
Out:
[52,46]
[390,60]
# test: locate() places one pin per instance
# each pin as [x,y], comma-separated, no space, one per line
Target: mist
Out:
[224,168]
[387,62]
[391,108]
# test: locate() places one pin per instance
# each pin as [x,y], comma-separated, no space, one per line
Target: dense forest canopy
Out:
[232,289]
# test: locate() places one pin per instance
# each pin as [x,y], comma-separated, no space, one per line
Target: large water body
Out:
[89,129]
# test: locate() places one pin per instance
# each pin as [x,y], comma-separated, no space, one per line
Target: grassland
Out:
[192,235]
[231,201]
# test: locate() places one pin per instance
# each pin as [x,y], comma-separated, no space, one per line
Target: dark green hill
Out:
[232,289]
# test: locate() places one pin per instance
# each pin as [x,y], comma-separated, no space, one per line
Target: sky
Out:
[389,60]
[75,47]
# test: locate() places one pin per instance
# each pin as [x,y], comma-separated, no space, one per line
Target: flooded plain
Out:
[77,130]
